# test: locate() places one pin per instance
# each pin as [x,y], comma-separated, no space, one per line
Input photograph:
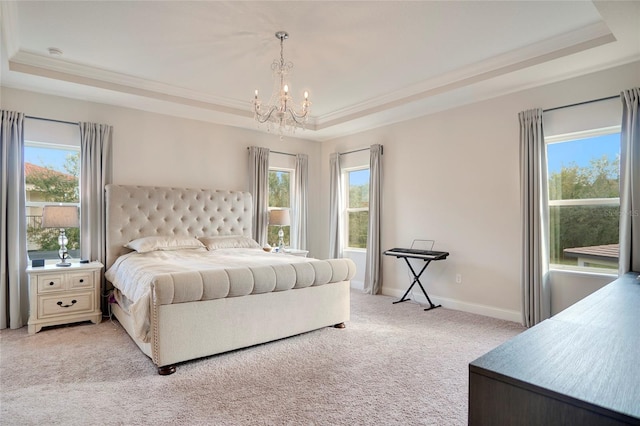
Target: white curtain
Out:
[299,206]
[95,173]
[536,299]
[335,206]
[372,273]
[259,188]
[14,293]
[630,182]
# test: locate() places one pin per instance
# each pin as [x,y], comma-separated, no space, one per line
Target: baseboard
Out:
[473,308]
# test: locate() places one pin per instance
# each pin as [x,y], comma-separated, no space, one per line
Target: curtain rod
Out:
[360,150]
[278,152]
[581,103]
[50,119]
[283,153]
[355,150]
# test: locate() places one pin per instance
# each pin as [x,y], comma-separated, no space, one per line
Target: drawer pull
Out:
[51,283]
[73,302]
[81,280]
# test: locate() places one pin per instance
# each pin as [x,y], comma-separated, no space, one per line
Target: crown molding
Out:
[36,64]
[32,63]
[40,65]
[573,42]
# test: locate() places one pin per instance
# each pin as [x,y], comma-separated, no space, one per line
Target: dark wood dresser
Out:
[580,367]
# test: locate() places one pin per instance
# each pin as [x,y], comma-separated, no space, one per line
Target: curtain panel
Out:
[300,213]
[259,188]
[335,207]
[95,173]
[536,298]
[372,272]
[629,259]
[14,292]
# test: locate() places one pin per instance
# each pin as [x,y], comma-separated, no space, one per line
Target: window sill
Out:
[354,250]
[584,270]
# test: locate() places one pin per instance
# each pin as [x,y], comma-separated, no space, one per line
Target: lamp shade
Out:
[279,218]
[60,217]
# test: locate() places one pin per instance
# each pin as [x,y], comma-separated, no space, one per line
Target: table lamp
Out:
[280,218]
[61,217]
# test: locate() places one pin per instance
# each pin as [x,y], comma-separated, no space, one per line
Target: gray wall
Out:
[452,176]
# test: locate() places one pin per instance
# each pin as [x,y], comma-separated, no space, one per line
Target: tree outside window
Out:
[357,207]
[51,177]
[279,198]
[584,203]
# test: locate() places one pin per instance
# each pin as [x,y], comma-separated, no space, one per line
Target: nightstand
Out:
[62,295]
[296,252]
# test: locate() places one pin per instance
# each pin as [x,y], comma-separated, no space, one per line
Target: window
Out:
[279,198]
[356,183]
[51,177]
[584,203]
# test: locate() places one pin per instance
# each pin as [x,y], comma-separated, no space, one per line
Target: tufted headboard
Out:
[141,211]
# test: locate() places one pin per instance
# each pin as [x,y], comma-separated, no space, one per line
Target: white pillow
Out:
[147,244]
[229,241]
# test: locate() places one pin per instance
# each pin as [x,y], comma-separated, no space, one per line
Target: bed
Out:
[188,281]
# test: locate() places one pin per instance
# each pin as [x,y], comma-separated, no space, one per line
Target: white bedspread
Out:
[179,276]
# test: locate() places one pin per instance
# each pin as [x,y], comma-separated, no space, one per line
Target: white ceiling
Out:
[365,64]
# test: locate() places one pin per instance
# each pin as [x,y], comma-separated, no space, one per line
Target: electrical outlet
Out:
[458,278]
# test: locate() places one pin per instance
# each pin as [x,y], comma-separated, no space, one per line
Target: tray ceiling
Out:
[365,64]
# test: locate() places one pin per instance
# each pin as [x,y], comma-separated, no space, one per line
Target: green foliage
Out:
[358,220]
[279,196]
[279,188]
[56,187]
[598,180]
[47,238]
[359,196]
[583,226]
[358,229]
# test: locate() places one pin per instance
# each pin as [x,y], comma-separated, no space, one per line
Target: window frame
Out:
[40,204]
[287,235]
[345,222]
[614,201]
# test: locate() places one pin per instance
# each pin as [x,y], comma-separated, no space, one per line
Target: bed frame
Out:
[186,331]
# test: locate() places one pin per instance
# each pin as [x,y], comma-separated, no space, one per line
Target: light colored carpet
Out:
[393,364]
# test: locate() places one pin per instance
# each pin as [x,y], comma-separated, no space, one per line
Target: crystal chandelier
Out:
[280,111]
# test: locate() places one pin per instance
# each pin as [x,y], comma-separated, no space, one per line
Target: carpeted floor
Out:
[393,364]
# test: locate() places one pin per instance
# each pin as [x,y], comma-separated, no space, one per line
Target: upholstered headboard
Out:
[142,211]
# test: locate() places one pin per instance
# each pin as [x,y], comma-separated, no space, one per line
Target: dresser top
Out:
[587,353]
[75,266]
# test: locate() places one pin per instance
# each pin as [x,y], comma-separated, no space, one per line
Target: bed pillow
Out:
[147,244]
[229,241]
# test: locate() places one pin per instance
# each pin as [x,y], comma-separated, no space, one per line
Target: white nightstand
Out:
[61,295]
[296,252]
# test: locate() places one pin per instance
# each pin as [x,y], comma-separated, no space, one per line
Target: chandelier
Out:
[280,111]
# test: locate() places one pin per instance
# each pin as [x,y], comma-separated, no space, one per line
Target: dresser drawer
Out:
[80,280]
[48,283]
[63,304]
[64,295]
